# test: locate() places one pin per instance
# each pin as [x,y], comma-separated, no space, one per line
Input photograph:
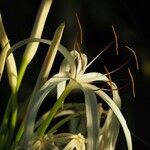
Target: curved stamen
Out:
[106,48]
[132,80]
[124,64]
[116,39]
[136,60]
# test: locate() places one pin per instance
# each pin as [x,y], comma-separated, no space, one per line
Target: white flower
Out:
[73,69]
[110,130]
[78,142]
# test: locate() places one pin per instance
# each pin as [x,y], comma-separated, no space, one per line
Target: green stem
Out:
[11,110]
[4,141]
[63,121]
[4,124]
[21,74]
[10,115]
[13,120]
[20,131]
[55,108]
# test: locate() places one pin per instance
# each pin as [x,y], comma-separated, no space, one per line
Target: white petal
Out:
[36,101]
[117,112]
[71,145]
[91,77]
[110,130]
[61,48]
[92,119]
[65,67]
[81,61]
[78,143]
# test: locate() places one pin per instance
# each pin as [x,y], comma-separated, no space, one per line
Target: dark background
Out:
[131,21]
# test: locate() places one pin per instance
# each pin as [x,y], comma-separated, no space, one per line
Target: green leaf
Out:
[37,30]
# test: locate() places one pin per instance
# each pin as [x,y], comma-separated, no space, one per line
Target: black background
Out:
[131,21]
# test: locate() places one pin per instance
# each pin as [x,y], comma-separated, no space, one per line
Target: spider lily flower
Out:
[84,81]
[77,142]
[48,142]
[44,144]
[73,69]
[110,129]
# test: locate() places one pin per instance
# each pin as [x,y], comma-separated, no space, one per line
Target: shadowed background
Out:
[130,19]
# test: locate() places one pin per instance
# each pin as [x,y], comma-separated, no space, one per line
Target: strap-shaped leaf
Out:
[50,57]
[37,30]
[31,48]
[10,61]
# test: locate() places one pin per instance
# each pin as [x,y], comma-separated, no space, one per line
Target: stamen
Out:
[136,60]
[119,88]
[107,89]
[124,64]
[132,80]
[80,28]
[78,48]
[141,140]
[116,39]
[99,54]
[75,42]
[109,77]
